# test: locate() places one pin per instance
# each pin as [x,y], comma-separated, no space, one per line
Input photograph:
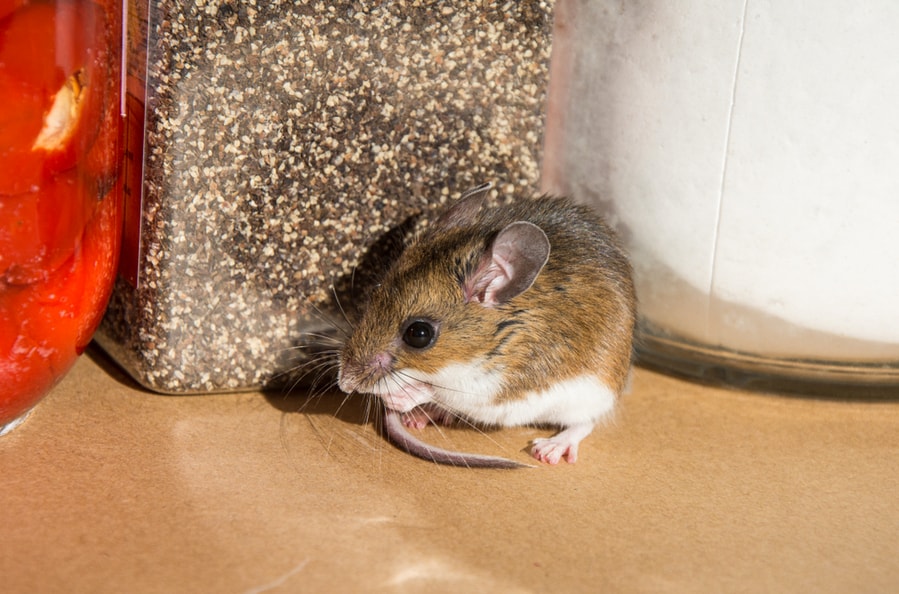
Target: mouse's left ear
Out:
[509,266]
[465,209]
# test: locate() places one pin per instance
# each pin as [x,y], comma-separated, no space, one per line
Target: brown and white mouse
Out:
[521,314]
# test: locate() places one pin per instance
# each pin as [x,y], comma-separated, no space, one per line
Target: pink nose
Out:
[354,377]
[382,362]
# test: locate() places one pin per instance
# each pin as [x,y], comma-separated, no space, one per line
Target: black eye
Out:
[419,334]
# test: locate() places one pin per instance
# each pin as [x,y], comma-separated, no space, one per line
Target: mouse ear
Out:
[510,266]
[464,210]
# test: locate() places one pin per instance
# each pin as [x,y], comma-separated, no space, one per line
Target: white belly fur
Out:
[583,399]
[579,400]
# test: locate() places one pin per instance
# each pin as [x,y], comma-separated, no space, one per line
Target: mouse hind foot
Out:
[563,444]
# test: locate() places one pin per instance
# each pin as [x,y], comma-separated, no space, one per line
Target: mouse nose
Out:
[354,376]
[381,363]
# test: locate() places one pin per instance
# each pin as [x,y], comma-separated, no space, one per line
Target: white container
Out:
[748,153]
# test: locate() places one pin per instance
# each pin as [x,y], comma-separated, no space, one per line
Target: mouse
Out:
[521,314]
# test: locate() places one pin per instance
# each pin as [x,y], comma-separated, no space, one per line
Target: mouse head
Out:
[442,305]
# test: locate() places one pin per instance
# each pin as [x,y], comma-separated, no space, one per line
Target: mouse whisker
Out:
[299,356]
[464,422]
[343,402]
[452,416]
[330,320]
[327,338]
[321,357]
[322,371]
[340,308]
[431,384]
[352,281]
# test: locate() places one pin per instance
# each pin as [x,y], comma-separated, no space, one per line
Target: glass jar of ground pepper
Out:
[60,188]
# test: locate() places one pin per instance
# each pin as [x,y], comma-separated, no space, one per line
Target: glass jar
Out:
[60,190]
[746,154]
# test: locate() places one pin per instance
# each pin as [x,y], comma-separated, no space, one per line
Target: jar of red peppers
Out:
[60,189]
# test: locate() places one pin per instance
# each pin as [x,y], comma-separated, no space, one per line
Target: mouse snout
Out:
[346,383]
[363,376]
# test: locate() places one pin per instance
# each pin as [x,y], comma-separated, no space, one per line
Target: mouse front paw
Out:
[425,414]
[416,418]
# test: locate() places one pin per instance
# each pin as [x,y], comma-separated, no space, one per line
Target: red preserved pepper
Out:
[60,196]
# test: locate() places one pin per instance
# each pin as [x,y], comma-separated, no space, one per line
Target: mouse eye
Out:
[420,334]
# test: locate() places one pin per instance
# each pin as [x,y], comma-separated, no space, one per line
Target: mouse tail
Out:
[398,435]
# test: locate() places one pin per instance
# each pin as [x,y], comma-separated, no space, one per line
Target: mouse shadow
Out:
[354,409]
[320,397]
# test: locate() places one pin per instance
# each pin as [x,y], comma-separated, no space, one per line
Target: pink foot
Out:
[546,449]
[416,418]
[425,414]
[563,444]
